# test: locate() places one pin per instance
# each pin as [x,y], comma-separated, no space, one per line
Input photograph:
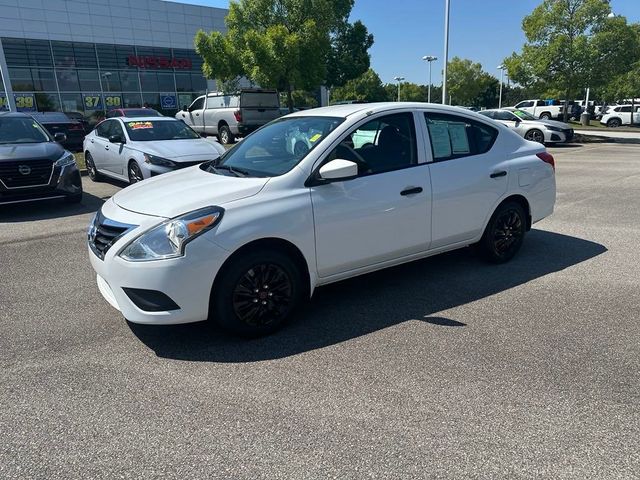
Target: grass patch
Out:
[80,160]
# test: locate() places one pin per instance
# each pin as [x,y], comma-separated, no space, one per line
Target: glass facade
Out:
[93,78]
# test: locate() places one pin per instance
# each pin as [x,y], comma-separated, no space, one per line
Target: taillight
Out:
[238,115]
[75,126]
[547,158]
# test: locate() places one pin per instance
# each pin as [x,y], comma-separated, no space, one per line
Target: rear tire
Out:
[504,233]
[225,136]
[545,116]
[614,123]
[257,293]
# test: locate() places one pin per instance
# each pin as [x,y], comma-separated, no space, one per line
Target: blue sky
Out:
[484,31]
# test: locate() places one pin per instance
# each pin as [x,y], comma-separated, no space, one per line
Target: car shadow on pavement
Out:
[365,304]
[48,209]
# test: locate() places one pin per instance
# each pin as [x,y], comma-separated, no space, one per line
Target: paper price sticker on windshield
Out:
[315,137]
[139,125]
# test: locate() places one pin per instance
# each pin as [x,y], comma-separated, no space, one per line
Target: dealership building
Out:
[90,56]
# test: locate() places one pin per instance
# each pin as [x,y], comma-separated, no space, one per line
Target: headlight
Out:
[161,162]
[66,159]
[169,239]
[553,129]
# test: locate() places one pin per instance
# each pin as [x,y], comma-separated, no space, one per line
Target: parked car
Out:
[58,122]
[530,127]
[229,116]
[133,112]
[79,117]
[244,240]
[541,108]
[33,164]
[619,115]
[132,149]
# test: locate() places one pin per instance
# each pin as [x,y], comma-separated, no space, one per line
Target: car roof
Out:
[150,118]
[13,114]
[345,110]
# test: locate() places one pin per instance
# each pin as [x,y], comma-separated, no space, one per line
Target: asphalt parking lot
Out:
[443,368]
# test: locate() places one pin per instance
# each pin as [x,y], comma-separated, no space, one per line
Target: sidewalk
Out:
[611,135]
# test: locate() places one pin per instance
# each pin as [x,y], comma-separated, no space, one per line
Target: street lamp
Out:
[106,76]
[429,58]
[446,53]
[398,79]
[502,68]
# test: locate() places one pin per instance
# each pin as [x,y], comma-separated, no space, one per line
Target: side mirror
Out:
[116,139]
[517,123]
[338,170]
[60,137]
[184,108]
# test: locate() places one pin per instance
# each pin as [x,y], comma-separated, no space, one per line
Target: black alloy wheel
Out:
[256,293]
[92,171]
[505,232]
[614,123]
[135,174]
[535,135]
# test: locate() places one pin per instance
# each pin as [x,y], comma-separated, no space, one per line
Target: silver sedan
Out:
[531,128]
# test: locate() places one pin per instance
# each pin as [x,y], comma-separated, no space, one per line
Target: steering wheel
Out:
[363,166]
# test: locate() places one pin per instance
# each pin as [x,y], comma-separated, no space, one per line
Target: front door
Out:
[384,213]
[466,177]
[114,157]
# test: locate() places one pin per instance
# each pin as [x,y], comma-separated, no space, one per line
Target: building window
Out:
[149,81]
[110,81]
[19,52]
[89,81]
[21,80]
[151,100]
[166,83]
[48,102]
[68,80]
[63,54]
[131,100]
[44,80]
[85,55]
[72,102]
[198,82]
[183,82]
[129,81]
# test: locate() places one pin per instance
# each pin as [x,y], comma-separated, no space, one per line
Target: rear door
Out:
[98,143]
[115,153]
[258,108]
[467,177]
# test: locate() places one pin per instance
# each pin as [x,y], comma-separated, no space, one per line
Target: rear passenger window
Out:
[455,137]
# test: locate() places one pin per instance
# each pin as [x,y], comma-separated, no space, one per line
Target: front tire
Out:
[257,293]
[135,174]
[535,135]
[504,234]
[92,171]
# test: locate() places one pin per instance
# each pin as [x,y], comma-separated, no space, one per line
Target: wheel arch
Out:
[269,243]
[522,201]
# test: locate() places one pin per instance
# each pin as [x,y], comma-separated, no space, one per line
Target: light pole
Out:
[446,53]
[502,68]
[429,58]
[398,79]
[106,76]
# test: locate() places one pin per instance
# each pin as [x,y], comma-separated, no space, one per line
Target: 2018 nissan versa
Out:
[244,239]
[33,166]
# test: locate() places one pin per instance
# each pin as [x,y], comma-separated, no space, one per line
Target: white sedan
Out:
[245,239]
[132,149]
[530,127]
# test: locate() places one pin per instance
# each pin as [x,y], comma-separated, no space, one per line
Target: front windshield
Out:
[277,147]
[154,130]
[524,115]
[21,130]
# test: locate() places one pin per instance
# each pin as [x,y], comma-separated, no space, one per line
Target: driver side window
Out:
[380,145]
[197,104]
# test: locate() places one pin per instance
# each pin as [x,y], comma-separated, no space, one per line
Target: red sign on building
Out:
[159,62]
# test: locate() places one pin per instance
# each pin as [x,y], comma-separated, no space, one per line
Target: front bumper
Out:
[564,136]
[186,281]
[65,181]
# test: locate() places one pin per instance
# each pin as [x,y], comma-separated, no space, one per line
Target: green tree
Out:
[348,57]
[366,88]
[571,44]
[285,44]
[465,81]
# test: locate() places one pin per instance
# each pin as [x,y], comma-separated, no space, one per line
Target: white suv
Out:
[244,240]
[620,115]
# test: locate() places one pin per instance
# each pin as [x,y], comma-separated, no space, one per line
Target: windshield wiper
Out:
[238,172]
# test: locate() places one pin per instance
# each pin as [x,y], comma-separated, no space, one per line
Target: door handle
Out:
[92,140]
[197,114]
[502,173]
[411,191]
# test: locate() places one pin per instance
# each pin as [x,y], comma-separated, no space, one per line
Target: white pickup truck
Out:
[231,115]
[541,109]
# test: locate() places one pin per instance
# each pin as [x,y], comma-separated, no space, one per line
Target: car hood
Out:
[554,123]
[31,151]
[180,150]
[182,191]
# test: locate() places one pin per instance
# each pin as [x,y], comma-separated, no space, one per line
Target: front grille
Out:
[180,165]
[568,133]
[104,232]
[25,173]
